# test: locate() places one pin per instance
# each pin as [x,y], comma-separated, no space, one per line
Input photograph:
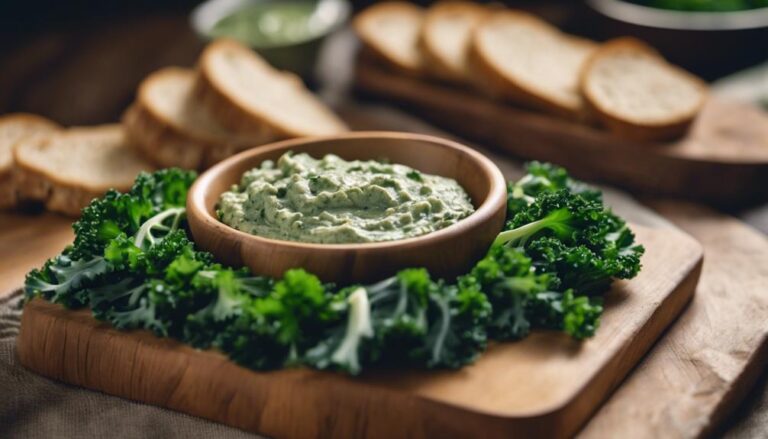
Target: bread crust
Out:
[485,75]
[672,129]
[9,188]
[434,61]
[56,196]
[228,109]
[56,193]
[228,112]
[8,195]
[373,44]
[159,142]
[164,142]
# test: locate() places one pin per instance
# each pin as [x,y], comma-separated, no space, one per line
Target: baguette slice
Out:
[170,128]
[445,37]
[522,58]
[249,97]
[390,30]
[67,169]
[14,128]
[635,93]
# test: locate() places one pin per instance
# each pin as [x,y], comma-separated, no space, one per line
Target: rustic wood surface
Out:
[26,241]
[557,381]
[110,59]
[705,364]
[723,160]
[447,252]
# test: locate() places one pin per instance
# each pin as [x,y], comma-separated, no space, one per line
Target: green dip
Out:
[335,201]
[272,23]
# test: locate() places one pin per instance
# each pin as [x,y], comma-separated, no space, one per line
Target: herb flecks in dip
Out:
[331,200]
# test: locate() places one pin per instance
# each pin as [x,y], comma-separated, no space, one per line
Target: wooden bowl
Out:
[446,252]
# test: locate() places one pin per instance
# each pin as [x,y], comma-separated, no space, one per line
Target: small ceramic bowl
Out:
[299,57]
[446,252]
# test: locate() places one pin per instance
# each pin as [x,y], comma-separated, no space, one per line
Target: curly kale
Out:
[62,280]
[507,277]
[133,263]
[123,246]
[406,320]
[458,316]
[276,329]
[577,239]
[223,294]
[341,347]
[115,213]
[542,178]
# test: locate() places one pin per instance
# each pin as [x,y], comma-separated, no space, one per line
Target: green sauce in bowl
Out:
[273,23]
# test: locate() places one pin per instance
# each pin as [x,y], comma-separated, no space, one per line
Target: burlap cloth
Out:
[35,407]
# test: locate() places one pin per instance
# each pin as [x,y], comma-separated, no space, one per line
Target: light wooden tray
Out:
[545,385]
[723,160]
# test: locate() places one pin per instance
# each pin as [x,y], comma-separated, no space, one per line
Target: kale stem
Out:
[445,311]
[556,220]
[521,233]
[145,231]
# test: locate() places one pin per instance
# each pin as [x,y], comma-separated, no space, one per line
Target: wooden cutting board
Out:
[723,160]
[545,385]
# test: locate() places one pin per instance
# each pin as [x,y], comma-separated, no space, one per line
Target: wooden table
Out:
[89,76]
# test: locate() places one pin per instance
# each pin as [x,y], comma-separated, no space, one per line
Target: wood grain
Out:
[706,363]
[546,385]
[26,241]
[723,160]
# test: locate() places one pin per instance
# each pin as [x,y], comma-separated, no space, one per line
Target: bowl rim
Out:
[497,192]
[205,15]
[651,17]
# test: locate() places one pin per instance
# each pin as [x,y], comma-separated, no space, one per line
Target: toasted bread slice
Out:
[170,128]
[635,93]
[390,30]
[67,169]
[249,97]
[13,129]
[522,58]
[445,37]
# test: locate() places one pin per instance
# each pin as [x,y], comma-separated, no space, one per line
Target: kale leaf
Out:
[133,263]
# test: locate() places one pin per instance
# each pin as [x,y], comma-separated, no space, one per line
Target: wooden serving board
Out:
[723,160]
[545,385]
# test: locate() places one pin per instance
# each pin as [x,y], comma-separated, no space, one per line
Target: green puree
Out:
[336,201]
[271,23]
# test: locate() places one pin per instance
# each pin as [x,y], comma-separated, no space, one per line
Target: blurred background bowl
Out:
[295,55]
[711,44]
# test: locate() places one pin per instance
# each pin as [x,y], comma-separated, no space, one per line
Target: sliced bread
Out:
[67,169]
[519,57]
[445,37]
[249,97]
[635,93]
[390,30]
[170,128]
[13,129]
